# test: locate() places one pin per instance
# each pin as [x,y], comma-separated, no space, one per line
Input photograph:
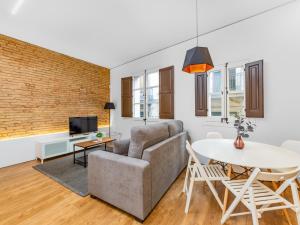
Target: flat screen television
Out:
[82,125]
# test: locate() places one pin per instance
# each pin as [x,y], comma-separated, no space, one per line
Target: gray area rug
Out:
[63,171]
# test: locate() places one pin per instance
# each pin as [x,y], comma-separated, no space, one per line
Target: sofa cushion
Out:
[145,136]
[175,127]
[121,147]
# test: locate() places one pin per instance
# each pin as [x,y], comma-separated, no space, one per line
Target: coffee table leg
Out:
[105,146]
[226,190]
[74,154]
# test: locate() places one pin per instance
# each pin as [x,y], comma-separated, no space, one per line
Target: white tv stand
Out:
[59,146]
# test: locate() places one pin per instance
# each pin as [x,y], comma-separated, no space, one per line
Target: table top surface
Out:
[253,155]
[92,143]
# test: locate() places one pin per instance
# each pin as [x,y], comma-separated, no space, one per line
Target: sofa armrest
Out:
[167,159]
[121,147]
[121,181]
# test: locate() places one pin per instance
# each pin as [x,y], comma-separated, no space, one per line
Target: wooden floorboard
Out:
[28,197]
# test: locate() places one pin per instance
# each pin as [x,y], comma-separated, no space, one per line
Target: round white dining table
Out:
[254,154]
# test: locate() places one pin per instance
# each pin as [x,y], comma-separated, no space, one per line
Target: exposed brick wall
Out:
[40,89]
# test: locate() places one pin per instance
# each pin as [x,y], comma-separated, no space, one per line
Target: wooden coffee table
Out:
[85,145]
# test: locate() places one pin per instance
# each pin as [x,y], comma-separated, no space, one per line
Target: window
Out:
[236,91]
[152,92]
[222,103]
[215,88]
[150,89]
[138,97]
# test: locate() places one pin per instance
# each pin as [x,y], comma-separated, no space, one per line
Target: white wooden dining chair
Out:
[292,146]
[197,172]
[259,198]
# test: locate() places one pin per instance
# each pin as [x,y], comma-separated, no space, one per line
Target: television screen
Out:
[80,125]
[92,123]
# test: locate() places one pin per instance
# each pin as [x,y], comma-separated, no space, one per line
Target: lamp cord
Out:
[197,21]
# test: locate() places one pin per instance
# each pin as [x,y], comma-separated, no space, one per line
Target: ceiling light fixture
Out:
[197,59]
[17,6]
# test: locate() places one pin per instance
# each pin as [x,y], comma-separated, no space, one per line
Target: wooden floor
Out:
[28,197]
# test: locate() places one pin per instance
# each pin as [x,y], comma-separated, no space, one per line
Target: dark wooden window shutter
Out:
[126,95]
[166,93]
[254,83]
[201,94]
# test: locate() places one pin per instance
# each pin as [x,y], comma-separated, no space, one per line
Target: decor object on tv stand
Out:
[243,127]
[109,106]
[197,59]
[100,135]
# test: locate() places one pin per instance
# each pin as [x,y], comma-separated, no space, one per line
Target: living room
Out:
[111,110]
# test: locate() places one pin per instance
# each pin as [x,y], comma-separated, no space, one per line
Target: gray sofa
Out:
[139,171]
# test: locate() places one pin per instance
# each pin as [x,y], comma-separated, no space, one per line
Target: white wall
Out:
[273,37]
[18,150]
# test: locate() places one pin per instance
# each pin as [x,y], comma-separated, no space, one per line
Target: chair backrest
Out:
[200,170]
[192,153]
[269,176]
[214,135]
[292,145]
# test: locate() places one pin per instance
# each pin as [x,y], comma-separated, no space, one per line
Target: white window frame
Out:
[138,89]
[150,87]
[144,90]
[225,96]
[235,92]
[209,93]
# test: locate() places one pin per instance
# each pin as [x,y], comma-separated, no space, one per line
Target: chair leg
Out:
[189,194]
[298,183]
[253,207]
[296,201]
[231,208]
[185,179]
[186,174]
[239,196]
[285,212]
[226,190]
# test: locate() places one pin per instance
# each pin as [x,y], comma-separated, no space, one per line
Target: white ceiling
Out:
[112,32]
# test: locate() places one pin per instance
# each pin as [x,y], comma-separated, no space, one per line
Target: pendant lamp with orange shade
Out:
[197,59]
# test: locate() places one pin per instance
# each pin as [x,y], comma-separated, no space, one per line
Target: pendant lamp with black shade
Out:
[197,59]
[109,106]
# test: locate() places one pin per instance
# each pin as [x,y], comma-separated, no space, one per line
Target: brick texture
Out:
[40,89]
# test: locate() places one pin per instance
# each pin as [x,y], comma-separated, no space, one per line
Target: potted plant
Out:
[100,135]
[243,127]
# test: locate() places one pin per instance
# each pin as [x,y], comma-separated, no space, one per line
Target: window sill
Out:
[153,120]
[213,122]
[148,120]
[137,119]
